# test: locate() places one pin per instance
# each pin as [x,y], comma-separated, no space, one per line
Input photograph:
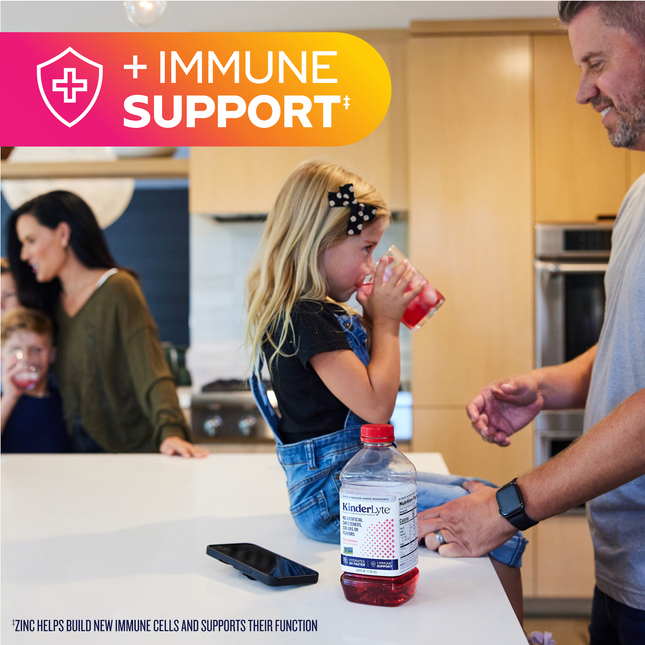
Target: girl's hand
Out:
[362,295]
[389,299]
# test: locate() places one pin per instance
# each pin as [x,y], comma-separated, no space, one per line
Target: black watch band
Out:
[511,506]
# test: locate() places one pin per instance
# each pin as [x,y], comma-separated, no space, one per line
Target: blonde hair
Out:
[24,319]
[301,226]
[4,266]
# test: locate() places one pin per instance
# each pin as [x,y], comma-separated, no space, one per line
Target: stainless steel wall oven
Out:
[570,264]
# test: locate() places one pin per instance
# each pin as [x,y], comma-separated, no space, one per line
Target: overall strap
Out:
[262,400]
[357,339]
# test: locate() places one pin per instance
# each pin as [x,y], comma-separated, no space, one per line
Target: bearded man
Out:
[605,467]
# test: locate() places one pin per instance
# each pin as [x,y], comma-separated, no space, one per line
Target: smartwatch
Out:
[511,506]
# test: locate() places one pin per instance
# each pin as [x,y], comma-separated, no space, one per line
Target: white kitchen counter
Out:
[122,537]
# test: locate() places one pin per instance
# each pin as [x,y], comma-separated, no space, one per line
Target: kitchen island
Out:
[89,540]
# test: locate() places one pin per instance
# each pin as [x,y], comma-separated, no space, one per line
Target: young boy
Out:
[32,419]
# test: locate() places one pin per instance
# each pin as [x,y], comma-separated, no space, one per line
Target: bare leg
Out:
[511,579]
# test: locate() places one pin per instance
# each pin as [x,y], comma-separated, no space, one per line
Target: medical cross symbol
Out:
[79,74]
[135,67]
[69,85]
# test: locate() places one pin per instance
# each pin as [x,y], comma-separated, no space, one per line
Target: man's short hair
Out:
[23,319]
[629,16]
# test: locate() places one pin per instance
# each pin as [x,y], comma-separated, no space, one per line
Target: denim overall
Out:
[313,467]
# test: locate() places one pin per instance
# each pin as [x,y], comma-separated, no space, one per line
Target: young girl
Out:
[315,253]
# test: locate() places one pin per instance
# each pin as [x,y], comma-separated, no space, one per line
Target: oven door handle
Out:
[571,267]
[550,270]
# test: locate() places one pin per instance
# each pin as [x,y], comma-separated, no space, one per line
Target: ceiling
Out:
[266,15]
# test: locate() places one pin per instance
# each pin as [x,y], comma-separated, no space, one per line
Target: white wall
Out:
[258,16]
[221,254]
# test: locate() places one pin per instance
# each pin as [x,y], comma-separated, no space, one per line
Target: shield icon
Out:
[69,84]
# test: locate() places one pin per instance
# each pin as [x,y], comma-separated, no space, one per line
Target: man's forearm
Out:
[609,455]
[566,385]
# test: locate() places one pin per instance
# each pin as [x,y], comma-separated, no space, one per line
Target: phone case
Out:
[310,577]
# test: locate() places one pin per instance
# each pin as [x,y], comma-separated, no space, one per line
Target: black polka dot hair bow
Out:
[358,213]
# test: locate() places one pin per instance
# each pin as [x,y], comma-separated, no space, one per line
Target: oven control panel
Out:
[227,416]
[573,241]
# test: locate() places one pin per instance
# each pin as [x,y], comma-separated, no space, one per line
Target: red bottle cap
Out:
[377,433]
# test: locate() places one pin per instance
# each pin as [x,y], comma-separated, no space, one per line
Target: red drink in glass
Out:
[27,378]
[423,306]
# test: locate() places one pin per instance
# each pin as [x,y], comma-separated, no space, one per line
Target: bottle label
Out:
[378,534]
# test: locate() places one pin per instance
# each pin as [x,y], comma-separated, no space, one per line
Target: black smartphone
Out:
[263,565]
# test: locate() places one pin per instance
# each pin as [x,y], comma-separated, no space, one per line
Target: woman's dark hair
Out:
[86,240]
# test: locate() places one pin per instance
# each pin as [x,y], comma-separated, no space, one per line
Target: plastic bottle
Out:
[378,510]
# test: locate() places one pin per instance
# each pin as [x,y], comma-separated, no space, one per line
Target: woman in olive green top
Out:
[118,392]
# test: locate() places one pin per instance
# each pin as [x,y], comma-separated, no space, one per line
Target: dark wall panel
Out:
[152,237]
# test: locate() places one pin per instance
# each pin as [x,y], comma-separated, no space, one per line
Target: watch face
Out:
[508,500]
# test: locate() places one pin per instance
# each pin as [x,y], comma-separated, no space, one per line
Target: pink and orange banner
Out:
[189,89]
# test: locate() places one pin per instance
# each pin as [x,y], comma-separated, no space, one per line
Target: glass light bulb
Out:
[144,13]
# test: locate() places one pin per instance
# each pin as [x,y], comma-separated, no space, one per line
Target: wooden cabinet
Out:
[448,431]
[471,236]
[496,141]
[563,563]
[558,561]
[635,166]
[247,180]
[144,168]
[578,173]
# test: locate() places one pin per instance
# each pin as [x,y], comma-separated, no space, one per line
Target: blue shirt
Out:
[36,425]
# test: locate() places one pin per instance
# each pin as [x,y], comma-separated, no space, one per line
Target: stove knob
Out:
[246,424]
[211,425]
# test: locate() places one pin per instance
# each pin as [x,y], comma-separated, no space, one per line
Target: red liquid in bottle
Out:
[378,513]
[382,591]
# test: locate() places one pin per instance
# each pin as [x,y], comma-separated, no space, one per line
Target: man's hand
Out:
[470,525]
[503,407]
[177,446]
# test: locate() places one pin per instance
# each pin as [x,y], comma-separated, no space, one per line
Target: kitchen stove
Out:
[225,411]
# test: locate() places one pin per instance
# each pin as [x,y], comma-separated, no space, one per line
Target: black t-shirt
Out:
[308,409]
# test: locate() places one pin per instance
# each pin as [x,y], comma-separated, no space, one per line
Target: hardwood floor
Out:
[565,631]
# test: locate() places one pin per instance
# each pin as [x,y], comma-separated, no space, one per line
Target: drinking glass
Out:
[424,305]
[26,377]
